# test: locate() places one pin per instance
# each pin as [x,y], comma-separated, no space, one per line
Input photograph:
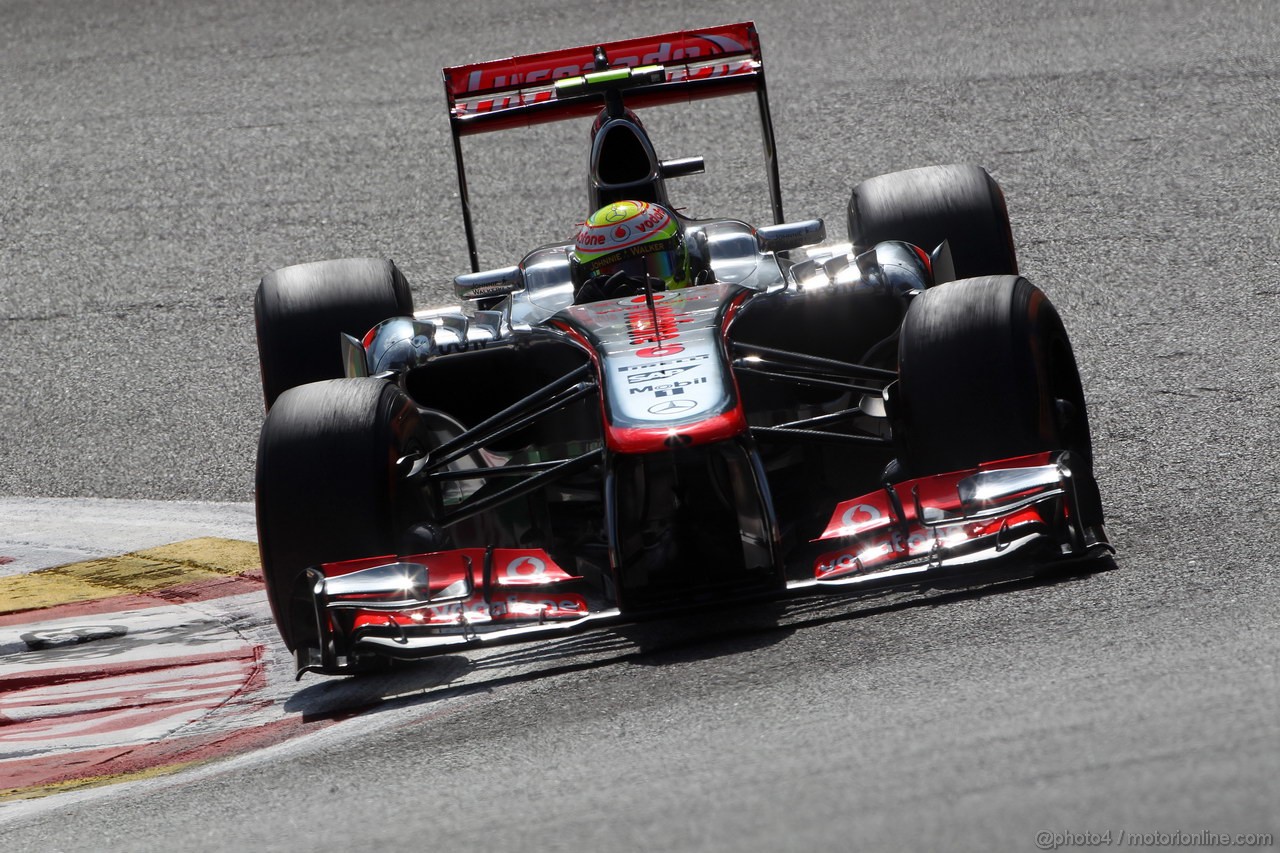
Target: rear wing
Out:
[688,65]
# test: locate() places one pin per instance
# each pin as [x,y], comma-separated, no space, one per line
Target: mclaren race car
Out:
[664,413]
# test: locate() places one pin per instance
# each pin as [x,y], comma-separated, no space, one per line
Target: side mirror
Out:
[353,359]
[683,166]
[942,264]
[488,283]
[791,235]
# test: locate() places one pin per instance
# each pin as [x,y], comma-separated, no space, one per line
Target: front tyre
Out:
[986,372]
[328,488]
[961,204]
[301,311]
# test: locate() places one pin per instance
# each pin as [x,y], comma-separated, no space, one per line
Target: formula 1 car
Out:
[899,409]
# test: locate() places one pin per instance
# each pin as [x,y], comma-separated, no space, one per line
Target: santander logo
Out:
[674,48]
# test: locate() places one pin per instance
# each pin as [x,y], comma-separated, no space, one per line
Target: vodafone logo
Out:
[656,219]
[526,567]
[841,563]
[860,515]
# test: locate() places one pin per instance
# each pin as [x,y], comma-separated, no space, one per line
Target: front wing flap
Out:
[1018,508]
[424,604]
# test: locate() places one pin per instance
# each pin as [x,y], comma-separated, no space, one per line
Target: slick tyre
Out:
[327,486]
[986,372]
[300,312]
[961,204]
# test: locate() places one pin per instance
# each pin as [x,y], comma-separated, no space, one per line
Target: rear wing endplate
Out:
[521,91]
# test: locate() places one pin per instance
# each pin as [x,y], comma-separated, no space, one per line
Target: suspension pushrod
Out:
[786,356]
[524,487]
[577,392]
[806,380]
[816,435]
[478,434]
[823,420]
[487,472]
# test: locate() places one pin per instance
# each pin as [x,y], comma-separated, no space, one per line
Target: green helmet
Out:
[636,241]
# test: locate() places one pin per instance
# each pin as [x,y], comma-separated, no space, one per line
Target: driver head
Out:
[631,243]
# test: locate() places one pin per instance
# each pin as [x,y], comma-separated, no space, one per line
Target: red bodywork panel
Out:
[654,439]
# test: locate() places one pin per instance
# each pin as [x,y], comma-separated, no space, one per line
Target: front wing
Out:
[916,532]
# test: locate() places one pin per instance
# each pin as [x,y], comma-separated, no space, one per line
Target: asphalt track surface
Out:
[157,158]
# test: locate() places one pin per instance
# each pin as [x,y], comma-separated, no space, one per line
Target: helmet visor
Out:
[655,260]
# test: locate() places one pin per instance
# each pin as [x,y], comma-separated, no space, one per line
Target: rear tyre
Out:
[986,372]
[962,204]
[328,489]
[301,310]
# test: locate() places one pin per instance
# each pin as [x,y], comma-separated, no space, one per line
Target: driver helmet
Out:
[642,241]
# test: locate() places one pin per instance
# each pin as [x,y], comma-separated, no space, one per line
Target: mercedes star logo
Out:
[670,407]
